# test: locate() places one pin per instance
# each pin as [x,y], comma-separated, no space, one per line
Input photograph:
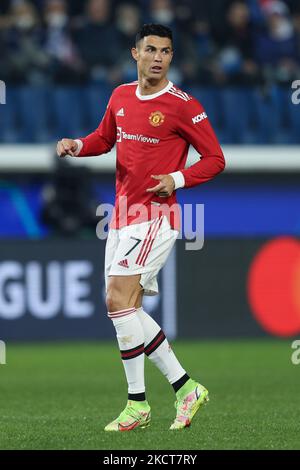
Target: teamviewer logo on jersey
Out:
[122,135]
[119,134]
[199,118]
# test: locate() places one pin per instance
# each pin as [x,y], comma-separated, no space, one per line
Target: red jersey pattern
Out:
[153,134]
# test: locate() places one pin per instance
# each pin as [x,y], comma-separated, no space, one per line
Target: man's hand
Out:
[165,187]
[66,147]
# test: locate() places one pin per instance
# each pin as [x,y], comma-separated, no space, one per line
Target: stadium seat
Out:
[9,131]
[96,97]
[32,113]
[235,103]
[66,111]
[238,115]
[293,118]
[209,98]
[269,115]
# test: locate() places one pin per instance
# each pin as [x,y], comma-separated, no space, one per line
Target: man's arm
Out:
[196,129]
[67,147]
[98,142]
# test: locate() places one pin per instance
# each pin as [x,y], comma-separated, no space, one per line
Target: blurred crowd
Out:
[217,42]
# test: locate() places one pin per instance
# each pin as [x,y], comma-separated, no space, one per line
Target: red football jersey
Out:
[153,134]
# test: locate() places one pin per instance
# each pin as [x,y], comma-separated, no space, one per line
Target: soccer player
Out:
[153,123]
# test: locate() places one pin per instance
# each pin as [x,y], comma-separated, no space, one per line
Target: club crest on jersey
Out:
[156,118]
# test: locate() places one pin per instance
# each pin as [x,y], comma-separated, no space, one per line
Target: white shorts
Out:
[140,249]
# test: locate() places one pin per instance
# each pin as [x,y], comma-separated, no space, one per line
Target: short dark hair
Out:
[154,30]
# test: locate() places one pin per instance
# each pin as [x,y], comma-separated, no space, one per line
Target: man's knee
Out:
[114,300]
[122,294]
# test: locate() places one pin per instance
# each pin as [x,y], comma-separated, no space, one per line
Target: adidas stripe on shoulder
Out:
[179,94]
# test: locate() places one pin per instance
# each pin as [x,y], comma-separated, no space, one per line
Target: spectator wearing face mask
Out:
[97,43]
[127,22]
[296,24]
[66,66]
[164,12]
[276,48]
[197,51]
[23,39]
[235,63]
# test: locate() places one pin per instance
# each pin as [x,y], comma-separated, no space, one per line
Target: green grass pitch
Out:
[60,396]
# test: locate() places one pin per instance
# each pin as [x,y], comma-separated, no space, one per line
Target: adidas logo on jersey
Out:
[123,263]
[121,112]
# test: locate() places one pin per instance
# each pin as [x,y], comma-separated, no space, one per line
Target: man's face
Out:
[153,55]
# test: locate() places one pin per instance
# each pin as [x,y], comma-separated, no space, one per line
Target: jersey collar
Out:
[154,95]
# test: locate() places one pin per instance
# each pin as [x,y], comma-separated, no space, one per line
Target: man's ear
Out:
[134,53]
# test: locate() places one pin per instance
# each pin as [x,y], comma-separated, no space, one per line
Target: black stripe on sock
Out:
[132,353]
[180,382]
[155,343]
[137,396]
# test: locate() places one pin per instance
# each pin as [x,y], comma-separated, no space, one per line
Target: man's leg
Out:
[122,294]
[158,349]
[190,394]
